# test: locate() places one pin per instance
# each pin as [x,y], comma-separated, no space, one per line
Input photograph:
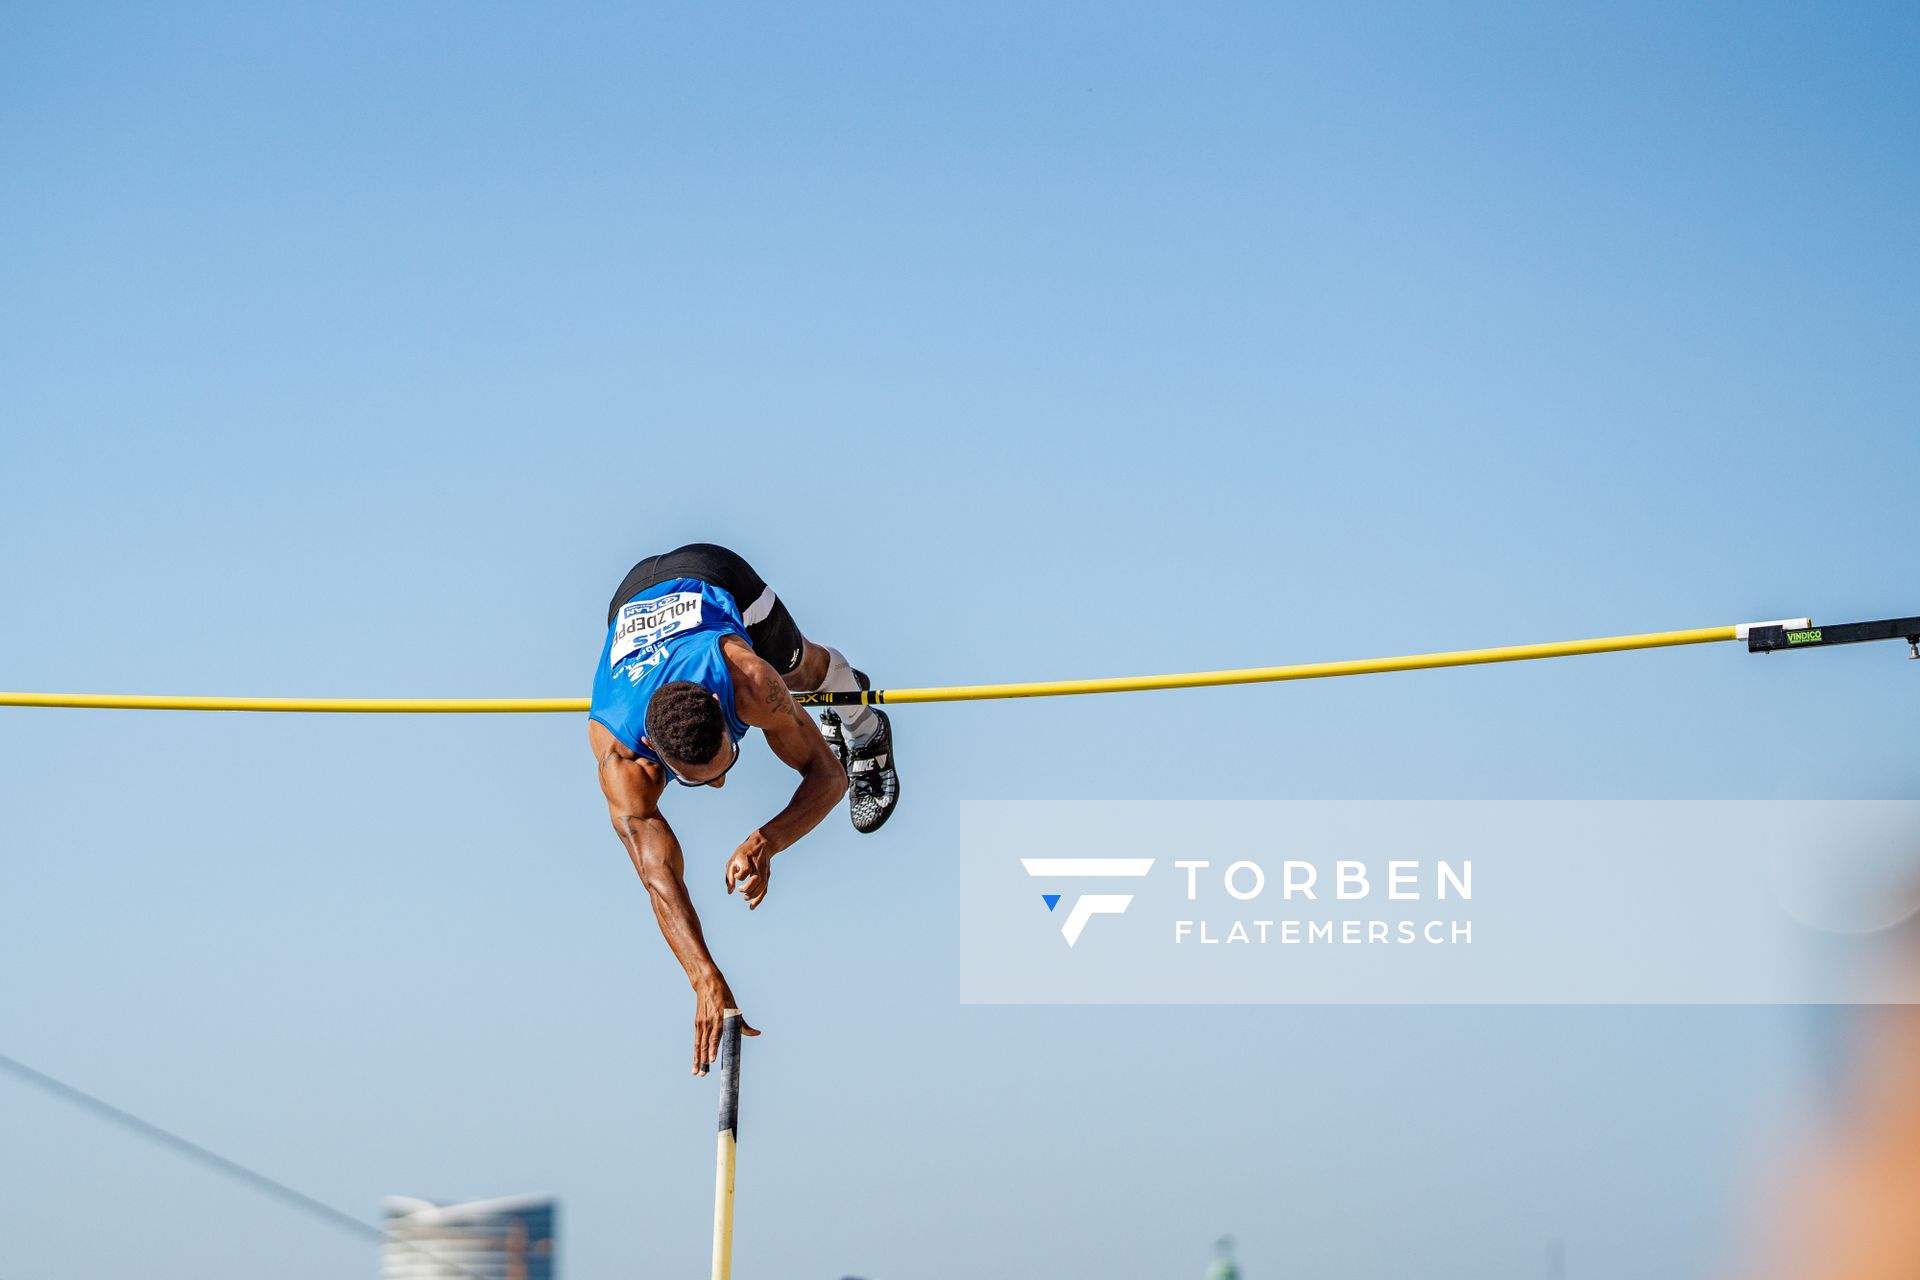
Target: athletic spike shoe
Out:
[836,735]
[875,786]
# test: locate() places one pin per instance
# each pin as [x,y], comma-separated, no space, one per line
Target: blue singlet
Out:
[671,631]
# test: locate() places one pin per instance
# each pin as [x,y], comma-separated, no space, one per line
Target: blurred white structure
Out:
[506,1239]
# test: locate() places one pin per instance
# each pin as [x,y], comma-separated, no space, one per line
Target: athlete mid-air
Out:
[699,651]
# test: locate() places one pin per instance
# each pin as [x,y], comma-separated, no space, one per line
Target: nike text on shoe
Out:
[836,735]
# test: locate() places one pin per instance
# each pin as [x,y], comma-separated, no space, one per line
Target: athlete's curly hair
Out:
[685,722]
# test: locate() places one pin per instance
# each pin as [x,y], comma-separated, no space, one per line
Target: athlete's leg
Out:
[860,736]
[824,669]
[806,677]
[866,747]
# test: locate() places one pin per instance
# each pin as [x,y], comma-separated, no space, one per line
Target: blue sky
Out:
[360,349]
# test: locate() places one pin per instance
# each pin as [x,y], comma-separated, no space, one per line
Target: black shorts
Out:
[770,628]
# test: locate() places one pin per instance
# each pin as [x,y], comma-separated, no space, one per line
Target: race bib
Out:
[644,625]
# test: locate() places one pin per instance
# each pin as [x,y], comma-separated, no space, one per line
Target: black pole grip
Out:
[730,1075]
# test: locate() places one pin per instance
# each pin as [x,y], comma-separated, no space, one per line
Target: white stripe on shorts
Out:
[759,609]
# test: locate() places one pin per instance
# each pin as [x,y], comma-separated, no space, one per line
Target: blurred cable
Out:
[193,1150]
[307,1204]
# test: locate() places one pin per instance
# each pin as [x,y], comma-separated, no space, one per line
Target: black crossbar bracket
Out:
[1768,639]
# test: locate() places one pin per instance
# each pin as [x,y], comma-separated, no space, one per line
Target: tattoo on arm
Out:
[780,702]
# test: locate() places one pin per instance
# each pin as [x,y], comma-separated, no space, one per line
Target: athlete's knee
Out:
[812,669]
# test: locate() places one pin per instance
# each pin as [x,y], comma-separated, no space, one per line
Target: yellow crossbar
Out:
[1312,670]
[895,697]
[386,706]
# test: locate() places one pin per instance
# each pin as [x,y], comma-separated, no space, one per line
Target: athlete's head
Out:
[687,729]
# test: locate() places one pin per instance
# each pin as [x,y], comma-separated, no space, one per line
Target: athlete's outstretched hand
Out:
[748,869]
[710,1015]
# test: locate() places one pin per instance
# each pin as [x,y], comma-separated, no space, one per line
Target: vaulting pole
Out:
[729,1140]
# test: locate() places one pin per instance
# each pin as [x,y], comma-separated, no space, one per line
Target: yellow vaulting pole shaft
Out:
[729,1146]
[898,697]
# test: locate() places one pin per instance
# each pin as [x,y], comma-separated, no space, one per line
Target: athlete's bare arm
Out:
[761,699]
[632,786]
